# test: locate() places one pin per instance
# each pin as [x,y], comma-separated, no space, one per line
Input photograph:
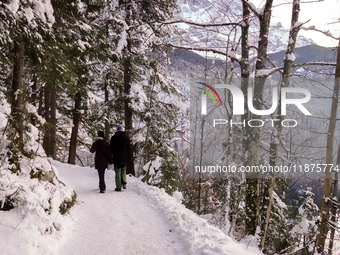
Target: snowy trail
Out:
[113,222]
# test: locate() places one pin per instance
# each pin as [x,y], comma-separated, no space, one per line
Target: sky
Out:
[321,15]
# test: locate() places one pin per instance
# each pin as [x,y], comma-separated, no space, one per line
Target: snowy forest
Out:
[69,69]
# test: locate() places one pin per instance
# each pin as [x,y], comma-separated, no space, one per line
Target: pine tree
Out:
[167,176]
[305,229]
[25,169]
[141,33]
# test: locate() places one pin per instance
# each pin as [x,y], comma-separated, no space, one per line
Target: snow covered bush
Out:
[29,184]
[164,173]
[306,228]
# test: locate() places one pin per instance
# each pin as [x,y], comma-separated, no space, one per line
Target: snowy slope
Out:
[140,220]
[114,222]
[32,197]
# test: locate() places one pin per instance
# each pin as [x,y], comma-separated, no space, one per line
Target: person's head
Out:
[120,128]
[101,134]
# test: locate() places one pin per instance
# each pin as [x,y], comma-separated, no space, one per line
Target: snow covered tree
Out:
[278,228]
[28,180]
[253,134]
[276,135]
[325,209]
[306,228]
[141,33]
[166,175]
[79,41]
[23,31]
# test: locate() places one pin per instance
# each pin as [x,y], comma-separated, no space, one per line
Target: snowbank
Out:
[198,236]
[32,198]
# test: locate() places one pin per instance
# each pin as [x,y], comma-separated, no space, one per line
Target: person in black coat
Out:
[102,159]
[120,149]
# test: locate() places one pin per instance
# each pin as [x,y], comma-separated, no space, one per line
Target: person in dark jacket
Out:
[102,159]
[120,149]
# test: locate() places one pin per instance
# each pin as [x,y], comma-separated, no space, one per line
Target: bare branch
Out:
[251,7]
[326,33]
[231,56]
[202,24]
[315,64]
[268,72]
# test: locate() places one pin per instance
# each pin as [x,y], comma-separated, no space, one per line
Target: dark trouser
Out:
[101,173]
[120,177]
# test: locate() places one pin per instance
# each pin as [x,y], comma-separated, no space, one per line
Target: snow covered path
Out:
[140,220]
[114,222]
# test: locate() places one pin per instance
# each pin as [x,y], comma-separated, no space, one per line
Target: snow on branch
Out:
[231,54]
[203,24]
[327,33]
[267,72]
[41,9]
[314,64]
[253,8]
[298,24]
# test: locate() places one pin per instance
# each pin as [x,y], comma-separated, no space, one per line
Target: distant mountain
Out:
[278,39]
[309,53]
[220,11]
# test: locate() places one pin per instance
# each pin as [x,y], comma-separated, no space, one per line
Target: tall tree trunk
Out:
[252,185]
[53,129]
[128,111]
[74,135]
[245,78]
[17,96]
[335,206]
[40,106]
[47,125]
[323,227]
[34,97]
[276,135]
[127,86]
[107,124]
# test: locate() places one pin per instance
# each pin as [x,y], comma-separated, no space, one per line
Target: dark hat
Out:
[101,134]
[120,127]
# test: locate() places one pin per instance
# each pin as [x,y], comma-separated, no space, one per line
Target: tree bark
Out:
[128,111]
[276,136]
[323,227]
[47,106]
[53,129]
[244,64]
[335,205]
[74,135]
[107,124]
[17,96]
[50,128]
[252,185]
[40,106]
[127,87]
[34,97]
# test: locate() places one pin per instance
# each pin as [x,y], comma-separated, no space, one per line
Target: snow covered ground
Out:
[140,220]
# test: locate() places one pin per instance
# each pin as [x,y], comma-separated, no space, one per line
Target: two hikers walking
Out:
[116,153]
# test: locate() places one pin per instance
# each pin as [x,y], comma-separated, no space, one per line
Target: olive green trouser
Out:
[120,177]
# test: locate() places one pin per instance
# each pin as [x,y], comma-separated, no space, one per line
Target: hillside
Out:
[140,220]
